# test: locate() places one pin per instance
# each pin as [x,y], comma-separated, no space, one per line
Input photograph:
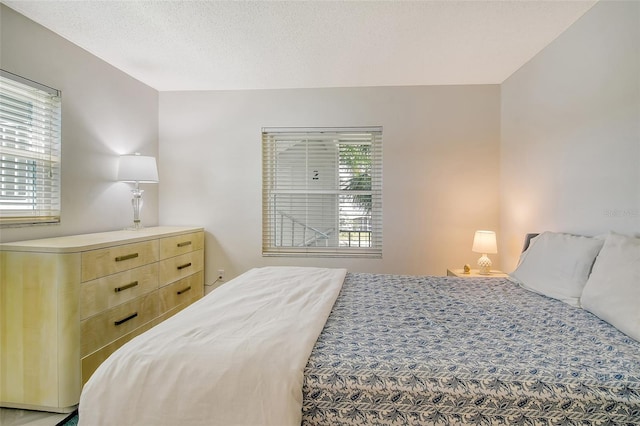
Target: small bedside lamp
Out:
[484,242]
[138,169]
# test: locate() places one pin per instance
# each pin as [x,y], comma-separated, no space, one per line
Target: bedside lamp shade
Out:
[484,242]
[138,169]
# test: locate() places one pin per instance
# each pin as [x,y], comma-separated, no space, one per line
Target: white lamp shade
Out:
[137,168]
[485,242]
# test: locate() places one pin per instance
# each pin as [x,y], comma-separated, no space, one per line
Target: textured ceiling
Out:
[218,45]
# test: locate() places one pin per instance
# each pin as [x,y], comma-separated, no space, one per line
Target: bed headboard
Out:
[527,240]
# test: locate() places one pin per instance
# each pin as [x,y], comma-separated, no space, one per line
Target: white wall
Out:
[567,158]
[570,148]
[441,164]
[105,113]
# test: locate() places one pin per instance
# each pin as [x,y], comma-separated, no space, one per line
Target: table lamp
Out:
[484,242]
[138,169]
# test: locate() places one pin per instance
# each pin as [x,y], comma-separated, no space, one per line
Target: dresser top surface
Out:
[82,242]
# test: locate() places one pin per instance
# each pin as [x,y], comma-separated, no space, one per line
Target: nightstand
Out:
[474,274]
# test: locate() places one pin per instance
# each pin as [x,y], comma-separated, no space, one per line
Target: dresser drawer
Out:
[92,361]
[105,327]
[181,244]
[106,292]
[103,262]
[185,291]
[178,267]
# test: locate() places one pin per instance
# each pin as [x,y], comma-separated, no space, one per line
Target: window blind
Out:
[29,151]
[322,191]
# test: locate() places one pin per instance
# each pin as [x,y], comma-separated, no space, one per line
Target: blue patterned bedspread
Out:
[401,350]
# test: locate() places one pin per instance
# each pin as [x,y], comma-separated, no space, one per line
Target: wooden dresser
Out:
[67,303]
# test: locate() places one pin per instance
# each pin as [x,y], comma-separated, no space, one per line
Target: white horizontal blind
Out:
[322,191]
[29,152]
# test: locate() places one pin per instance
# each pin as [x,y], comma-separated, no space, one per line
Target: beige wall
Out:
[105,113]
[441,152]
[570,148]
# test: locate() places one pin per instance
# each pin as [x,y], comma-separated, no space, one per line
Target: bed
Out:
[371,349]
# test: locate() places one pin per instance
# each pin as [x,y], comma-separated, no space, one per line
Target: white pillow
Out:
[557,265]
[613,289]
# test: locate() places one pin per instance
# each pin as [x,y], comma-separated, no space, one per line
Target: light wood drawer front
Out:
[181,244]
[91,362]
[101,329]
[186,291]
[178,267]
[106,292]
[100,263]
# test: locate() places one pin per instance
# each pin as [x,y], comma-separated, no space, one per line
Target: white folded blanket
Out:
[235,357]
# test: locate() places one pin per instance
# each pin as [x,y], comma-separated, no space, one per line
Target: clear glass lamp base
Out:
[135,227]
[136,203]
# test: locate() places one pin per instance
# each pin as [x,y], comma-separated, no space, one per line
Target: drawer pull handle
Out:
[185,243]
[123,320]
[124,287]
[186,265]
[126,257]
[184,290]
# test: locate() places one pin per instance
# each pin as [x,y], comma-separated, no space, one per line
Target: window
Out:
[29,152]
[322,192]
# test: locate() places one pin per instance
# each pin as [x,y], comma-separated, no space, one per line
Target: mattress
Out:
[403,350]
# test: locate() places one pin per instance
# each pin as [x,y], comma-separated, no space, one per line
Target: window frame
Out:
[274,139]
[30,152]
